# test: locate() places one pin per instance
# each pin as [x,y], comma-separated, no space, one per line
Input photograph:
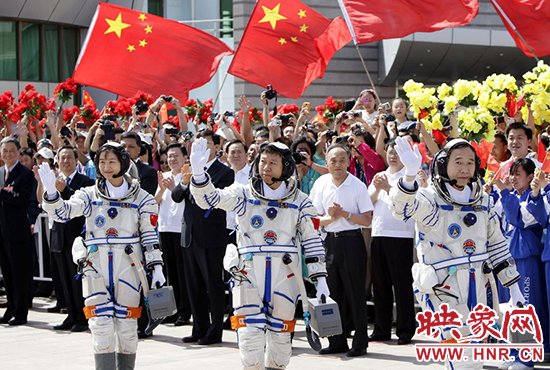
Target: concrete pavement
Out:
[37,346]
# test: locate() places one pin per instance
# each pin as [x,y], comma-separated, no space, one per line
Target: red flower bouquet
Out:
[204,110]
[289,108]
[32,104]
[88,114]
[69,113]
[331,109]
[65,90]
[6,105]
[144,97]
[121,107]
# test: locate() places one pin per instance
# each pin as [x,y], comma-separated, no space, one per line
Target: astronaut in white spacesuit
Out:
[459,238]
[120,220]
[275,227]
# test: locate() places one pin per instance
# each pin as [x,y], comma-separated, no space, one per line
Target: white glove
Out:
[322,288]
[158,277]
[411,159]
[47,176]
[516,295]
[198,158]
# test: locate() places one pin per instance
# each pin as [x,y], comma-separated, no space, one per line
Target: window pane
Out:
[8,51]
[51,53]
[155,7]
[31,51]
[226,13]
[70,51]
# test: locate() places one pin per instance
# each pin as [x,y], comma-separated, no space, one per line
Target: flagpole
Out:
[515,29]
[219,91]
[366,69]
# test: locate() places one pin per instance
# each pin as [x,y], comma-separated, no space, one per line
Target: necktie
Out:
[7,174]
[67,181]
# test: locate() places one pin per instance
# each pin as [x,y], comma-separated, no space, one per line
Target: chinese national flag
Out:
[388,19]
[531,18]
[541,151]
[287,44]
[423,151]
[126,51]
[439,136]
[163,113]
[483,151]
[492,164]
[88,99]
[546,165]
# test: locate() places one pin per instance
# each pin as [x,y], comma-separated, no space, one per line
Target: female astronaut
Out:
[459,239]
[274,227]
[120,221]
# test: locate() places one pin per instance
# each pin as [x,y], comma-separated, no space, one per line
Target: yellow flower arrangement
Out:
[537,93]
[422,101]
[477,124]
[492,94]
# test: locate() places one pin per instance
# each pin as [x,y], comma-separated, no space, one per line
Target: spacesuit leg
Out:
[250,323]
[281,320]
[126,305]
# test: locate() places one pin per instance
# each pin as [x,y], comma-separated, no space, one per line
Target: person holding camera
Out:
[310,168]
[153,117]
[366,104]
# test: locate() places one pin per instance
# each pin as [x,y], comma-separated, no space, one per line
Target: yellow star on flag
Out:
[282,40]
[148,29]
[302,13]
[142,43]
[116,25]
[303,28]
[294,39]
[142,17]
[272,15]
[131,48]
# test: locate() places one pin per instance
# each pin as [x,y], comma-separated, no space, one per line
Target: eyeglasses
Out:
[162,162]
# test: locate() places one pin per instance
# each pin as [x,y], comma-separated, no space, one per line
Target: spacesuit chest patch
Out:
[99,221]
[469,246]
[454,231]
[256,221]
[270,237]
[111,233]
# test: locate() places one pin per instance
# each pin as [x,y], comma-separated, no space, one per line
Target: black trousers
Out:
[72,288]
[204,277]
[15,262]
[172,255]
[346,266]
[392,260]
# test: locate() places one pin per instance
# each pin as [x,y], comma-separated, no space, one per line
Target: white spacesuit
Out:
[459,242]
[270,234]
[115,227]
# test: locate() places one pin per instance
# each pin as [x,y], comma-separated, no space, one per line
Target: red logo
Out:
[154,219]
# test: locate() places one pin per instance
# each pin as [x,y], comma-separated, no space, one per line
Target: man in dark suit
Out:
[62,238]
[204,240]
[148,179]
[16,184]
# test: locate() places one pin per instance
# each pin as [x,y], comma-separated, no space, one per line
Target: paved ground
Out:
[38,346]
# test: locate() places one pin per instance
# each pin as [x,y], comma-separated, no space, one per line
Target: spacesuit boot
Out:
[125,361]
[105,361]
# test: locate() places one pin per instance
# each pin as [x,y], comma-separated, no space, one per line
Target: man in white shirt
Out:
[169,227]
[391,257]
[343,204]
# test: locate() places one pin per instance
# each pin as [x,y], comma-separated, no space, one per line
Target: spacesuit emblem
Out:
[100,221]
[256,222]
[270,237]
[111,233]
[454,231]
[112,212]
[469,246]
[271,213]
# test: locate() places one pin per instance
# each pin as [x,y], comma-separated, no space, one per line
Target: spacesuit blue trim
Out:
[115,204]
[267,289]
[273,204]
[121,240]
[247,306]
[447,207]
[472,294]
[460,261]
[284,296]
[111,282]
[94,294]
[268,249]
[127,283]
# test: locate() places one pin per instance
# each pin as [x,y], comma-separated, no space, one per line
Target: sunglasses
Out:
[162,162]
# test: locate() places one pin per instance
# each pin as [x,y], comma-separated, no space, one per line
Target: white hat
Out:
[45,153]
[146,138]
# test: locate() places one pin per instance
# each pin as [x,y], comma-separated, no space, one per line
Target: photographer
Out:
[152,114]
[365,162]
[311,167]
[366,104]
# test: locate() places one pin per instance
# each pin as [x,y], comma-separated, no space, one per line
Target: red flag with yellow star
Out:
[287,44]
[88,100]
[126,51]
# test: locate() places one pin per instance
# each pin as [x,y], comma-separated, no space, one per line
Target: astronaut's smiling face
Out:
[109,165]
[461,166]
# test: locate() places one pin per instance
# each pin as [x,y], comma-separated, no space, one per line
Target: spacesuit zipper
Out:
[111,283]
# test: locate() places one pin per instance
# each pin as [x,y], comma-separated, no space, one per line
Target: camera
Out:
[270,93]
[278,122]
[109,130]
[81,125]
[348,115]
[171,131]
[285,117]
[65,131]
[229,114]
[167,99]
[342,139]
[142,125]
[213,115]
[302,150]
[330,135]
[188,135]
[386,106]
[109,119]
[141,107]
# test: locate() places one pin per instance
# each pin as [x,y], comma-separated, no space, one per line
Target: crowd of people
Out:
[341,204]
